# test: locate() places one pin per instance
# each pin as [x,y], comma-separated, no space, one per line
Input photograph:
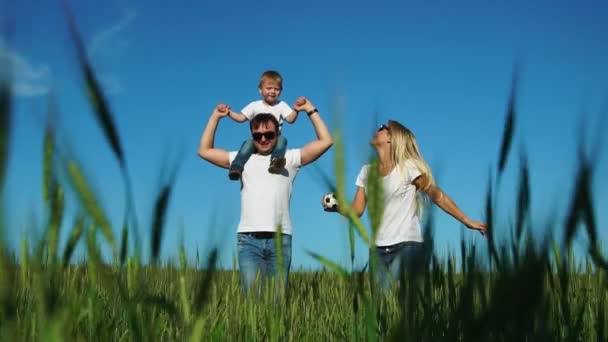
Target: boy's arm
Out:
[238,117]
[206,150]
[292,117]
[315,148]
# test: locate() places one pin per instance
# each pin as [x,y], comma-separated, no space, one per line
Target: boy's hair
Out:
[271,75]
[263,119]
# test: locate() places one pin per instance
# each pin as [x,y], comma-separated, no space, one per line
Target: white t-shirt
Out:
[280,110]
[400,221]
[265,197]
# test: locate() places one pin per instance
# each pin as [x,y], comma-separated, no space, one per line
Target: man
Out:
[265,196]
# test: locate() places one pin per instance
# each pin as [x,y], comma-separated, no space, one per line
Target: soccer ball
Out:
[330,203]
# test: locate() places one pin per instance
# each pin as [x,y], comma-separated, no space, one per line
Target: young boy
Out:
[270,87]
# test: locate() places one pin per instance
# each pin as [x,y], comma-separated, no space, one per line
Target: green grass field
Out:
[515,290]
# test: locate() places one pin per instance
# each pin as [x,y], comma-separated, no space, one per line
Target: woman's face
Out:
[382,135]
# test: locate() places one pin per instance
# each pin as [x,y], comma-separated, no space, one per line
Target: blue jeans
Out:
[248,148]
[257,253]
[394,259]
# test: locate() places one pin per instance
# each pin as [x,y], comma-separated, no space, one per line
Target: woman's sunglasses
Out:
[258,136]
[383,126]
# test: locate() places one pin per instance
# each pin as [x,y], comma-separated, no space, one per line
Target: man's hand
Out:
[221,110]
[303,104]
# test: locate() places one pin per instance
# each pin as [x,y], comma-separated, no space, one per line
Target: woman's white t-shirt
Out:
[400,221]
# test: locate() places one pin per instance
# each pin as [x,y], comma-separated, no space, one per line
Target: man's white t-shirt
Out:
[400,221]
[265,197]
[280,110]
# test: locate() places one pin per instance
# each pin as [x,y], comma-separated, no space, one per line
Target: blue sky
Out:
[443,69]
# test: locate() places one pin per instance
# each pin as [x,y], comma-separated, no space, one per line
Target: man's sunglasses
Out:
[383,126]
[258,136]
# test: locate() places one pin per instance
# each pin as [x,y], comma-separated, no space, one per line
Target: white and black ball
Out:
[330,203]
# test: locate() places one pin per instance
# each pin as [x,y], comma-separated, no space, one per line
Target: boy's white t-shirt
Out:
[400,221]
[280,110]
[265,196]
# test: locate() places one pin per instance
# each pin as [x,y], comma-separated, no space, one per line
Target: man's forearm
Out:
[208,136]
[317,147]
[320,128]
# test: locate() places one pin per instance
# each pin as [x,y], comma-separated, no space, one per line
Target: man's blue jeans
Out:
[258,254]
[394,259]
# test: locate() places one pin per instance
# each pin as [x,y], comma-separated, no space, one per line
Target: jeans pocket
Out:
[242,240]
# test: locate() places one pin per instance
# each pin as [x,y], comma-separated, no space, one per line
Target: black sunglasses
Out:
[383,126]
[258,136]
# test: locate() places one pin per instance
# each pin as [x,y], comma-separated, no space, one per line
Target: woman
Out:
[405,177]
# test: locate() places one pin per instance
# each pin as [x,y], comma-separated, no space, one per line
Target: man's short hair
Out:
[263,119]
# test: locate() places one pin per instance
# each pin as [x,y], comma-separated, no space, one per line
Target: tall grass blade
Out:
[124,245]
[600,322]
[339,163]
[158,222]
[351,244]
[509,126]
[5,118]
[94,91]
[490,224]
[89,201]
[70,246]
[47,163]
[52,190]
[8,305]
[202,295]
[103,115]
[340,191]
[197,331]
[334,267]
[323,178]
[375,196]
[523,197]
[25,262]
[56,217]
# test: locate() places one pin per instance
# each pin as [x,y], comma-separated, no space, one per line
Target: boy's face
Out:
[270,91]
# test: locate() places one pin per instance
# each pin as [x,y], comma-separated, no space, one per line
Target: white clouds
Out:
[106,48]
[109,40]
[28,79]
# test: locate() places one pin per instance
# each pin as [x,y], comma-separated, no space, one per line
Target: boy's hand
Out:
[303,104]
[222,110]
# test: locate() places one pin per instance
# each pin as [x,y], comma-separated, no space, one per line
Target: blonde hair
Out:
[271,75]
[404,148]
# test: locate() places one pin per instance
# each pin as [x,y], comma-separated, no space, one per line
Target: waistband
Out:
[261,235]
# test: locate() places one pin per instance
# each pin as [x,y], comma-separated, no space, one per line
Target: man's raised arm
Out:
[206,150]
[315,148]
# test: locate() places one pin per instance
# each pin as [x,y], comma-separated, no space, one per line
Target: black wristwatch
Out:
[312,112]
